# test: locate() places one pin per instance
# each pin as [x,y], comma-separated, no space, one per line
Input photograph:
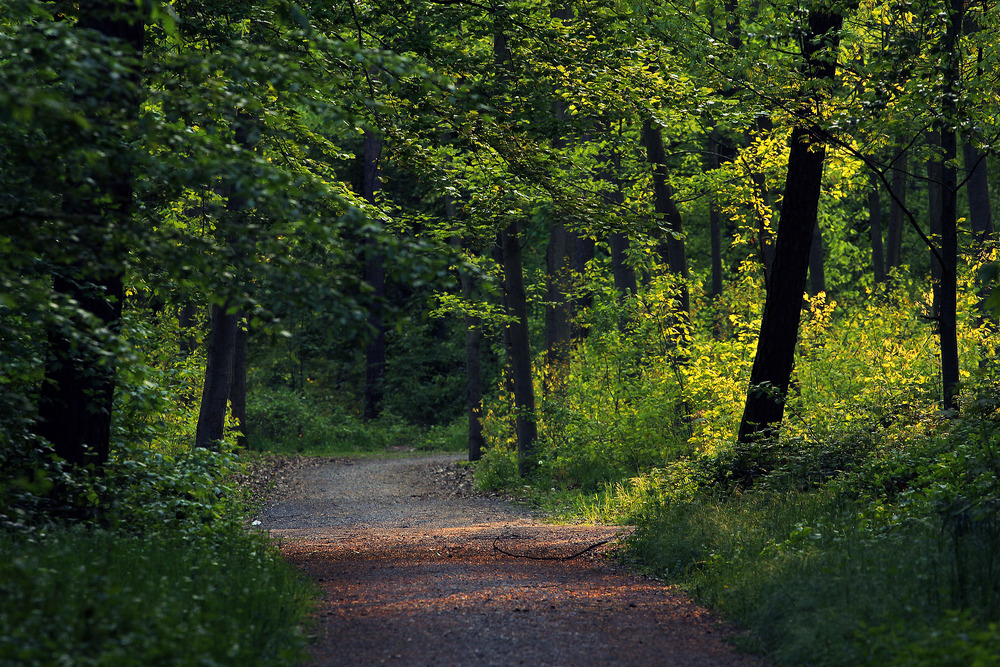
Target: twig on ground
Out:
[529,556]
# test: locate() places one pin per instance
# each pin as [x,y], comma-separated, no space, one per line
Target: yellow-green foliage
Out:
[158,392]
[645,389]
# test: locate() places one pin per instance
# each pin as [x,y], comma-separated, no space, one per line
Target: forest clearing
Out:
[723,272]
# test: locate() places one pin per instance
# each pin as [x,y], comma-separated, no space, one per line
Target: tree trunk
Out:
[520,349]
[947,299]
[666,209]
[75,401]
[187,320]
[774,360]
[622,274]
[935,192]
[875,231]
[473,375]
[218,375]
[558,266]
[225,321]
[76,395]
[583,253]
[558,311]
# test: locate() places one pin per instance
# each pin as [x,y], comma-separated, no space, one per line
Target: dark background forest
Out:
[722,270]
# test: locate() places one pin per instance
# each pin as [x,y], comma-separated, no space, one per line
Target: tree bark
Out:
[225,320]
[583,253]
[774,360]
[520,349]
[558,268]
[473,375]
[187,320]
[666,209]
[948,296]
[935,193]
[558,311]
[218,375]
[978,189]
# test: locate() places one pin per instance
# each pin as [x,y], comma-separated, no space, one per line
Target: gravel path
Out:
[415,571]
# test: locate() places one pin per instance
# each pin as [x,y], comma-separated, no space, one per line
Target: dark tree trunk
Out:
[473,354]
[74,406]
[506,341]
[238,381]
[947,298]
[672,248]
[897,202]
[224,322]
[187,321]
[774,360]
[715,229]
[763,126]
[622,274]
[218,375]
[75,398]
[875,231]
[558,269]
[583,253]
[520,349]
[558,311]
[374,276]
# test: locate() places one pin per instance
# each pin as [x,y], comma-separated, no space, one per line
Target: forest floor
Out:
[415,568]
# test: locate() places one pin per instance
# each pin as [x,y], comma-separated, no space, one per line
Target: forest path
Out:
[410,575]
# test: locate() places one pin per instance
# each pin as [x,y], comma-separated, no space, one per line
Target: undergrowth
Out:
[868,532]
[283,421]
[145,561]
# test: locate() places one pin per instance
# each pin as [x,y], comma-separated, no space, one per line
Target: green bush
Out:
[497,471]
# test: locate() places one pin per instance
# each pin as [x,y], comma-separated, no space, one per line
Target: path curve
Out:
[410,575]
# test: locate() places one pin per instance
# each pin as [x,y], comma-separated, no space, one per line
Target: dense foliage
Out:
[333,227]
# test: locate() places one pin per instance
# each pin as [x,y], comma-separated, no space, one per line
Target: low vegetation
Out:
[147,563]
[866,532]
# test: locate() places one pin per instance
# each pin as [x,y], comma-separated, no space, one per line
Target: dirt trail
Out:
[412,574]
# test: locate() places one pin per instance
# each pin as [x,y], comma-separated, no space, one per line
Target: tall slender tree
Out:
[774,359]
